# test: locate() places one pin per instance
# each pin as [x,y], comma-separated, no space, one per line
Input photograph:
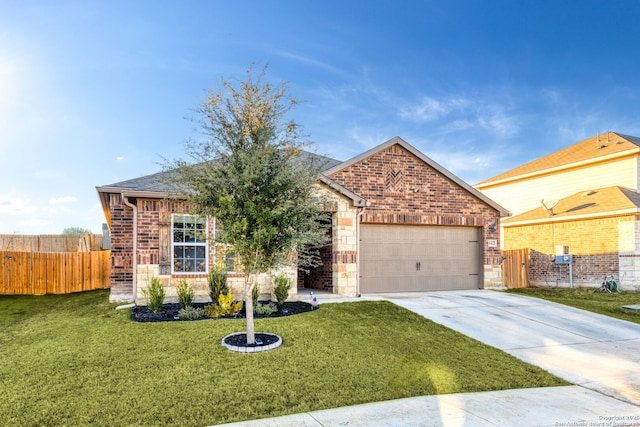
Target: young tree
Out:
[75,230]
[250,173]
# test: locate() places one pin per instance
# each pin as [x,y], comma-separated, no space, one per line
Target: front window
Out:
[189,244]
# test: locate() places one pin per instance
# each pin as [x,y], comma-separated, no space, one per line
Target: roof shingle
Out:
[590,149]
[602,201]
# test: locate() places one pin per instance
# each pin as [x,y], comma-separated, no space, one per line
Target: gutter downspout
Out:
[134,258]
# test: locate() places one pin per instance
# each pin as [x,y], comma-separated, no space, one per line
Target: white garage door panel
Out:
[397,258]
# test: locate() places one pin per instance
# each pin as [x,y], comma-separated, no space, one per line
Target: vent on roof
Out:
[603,146]
[619,142]
[589,193]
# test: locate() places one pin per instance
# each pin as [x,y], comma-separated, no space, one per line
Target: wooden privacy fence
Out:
[51,242]
[37,273]
[515,268]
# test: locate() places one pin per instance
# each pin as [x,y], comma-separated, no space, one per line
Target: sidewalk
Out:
[537,407]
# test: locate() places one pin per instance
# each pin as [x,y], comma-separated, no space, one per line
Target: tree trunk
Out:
[248,307]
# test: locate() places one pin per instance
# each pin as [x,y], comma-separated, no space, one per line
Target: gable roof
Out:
[434,165]
[591,150]
[601,202]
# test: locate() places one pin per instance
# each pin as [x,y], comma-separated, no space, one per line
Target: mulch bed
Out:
[169,312]
[240,340]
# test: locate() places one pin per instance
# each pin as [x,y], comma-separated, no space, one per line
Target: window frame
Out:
[195,244]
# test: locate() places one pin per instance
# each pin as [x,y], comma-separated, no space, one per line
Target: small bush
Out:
[154,295]
[281,286]
[185,294]
[217,284]
[191,313]
[213,311]
[226,306]
[255,294]
[265,308]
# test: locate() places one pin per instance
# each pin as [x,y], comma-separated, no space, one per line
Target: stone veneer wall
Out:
[629,256]
[342,271]
[402,189]
[345,249]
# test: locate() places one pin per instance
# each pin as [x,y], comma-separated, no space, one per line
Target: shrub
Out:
[281,286]
[185,294]
[213,310]
[265,308]
[154,295]
[191,313]
[226,306]
[255,294]
[217,284]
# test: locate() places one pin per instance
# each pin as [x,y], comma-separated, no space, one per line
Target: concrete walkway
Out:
[601,355]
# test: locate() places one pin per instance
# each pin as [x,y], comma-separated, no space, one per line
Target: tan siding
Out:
[525,194]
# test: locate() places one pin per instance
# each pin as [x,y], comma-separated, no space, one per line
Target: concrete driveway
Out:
[597,352]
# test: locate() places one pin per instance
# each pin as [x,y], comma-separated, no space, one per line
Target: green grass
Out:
[608,304]
[74,360]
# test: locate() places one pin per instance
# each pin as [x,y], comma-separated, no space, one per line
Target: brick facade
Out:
[147,265]
[402,189]
[121,249]
[599,247]
[398,186]
[588,236]
[587,270]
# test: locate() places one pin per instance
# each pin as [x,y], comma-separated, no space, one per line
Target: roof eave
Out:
[355,199]
[105,190]
[574,165]
[537,221]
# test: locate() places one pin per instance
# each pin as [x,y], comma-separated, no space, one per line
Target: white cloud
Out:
[494,119]
[16,205]
[430,109]
[120,158]
[34,222]
[310,61]
[459,113]
[62,200]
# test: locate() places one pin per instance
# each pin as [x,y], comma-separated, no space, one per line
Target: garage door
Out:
[396,258]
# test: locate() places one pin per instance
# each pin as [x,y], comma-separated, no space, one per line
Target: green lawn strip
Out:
[74,360]
[609,304]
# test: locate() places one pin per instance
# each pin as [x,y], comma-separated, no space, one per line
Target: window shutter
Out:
[164,239]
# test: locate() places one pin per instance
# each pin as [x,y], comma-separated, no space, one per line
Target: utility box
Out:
[562,255]
[564,259]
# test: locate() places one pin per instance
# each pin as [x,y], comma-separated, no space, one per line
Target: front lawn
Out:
[586,299]
[74,360]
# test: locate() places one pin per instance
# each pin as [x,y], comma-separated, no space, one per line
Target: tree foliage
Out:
[75,230]
[250,172]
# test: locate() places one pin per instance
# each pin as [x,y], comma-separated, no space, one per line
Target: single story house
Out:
[582,200]
[399,222]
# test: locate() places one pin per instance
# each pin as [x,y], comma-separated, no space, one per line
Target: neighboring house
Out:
[582,200]
[399,222]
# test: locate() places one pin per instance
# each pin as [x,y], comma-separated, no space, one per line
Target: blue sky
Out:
[93,93]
